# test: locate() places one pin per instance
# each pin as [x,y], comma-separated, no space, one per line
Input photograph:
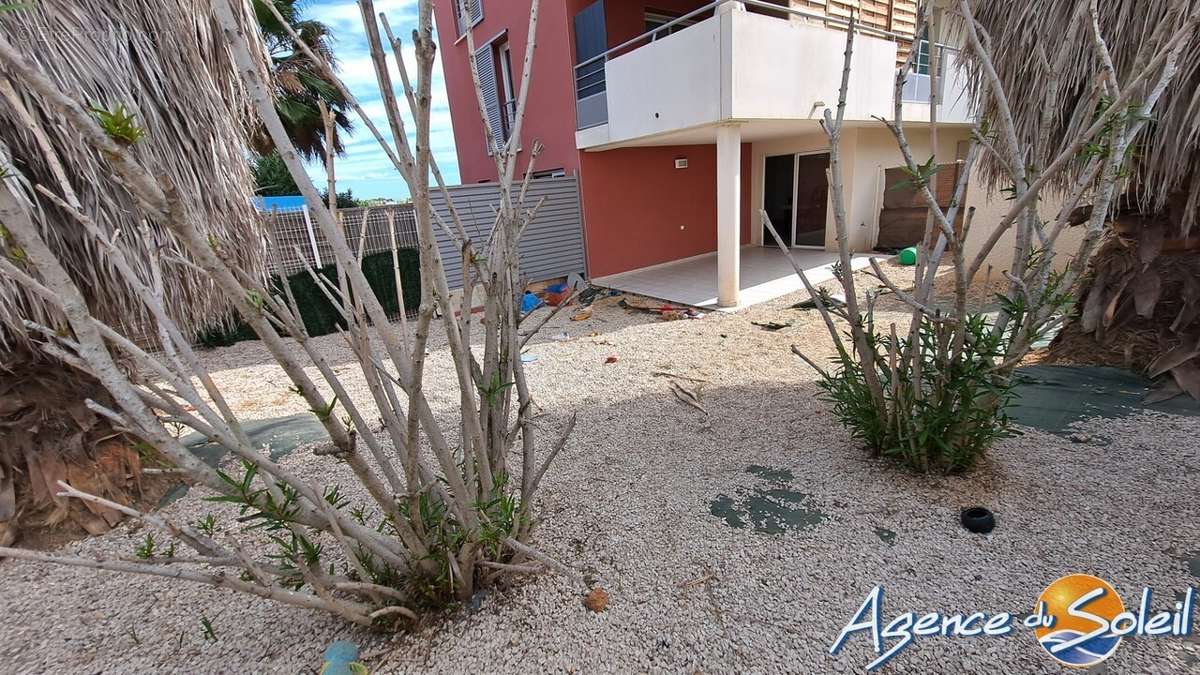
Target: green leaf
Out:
[119,123]
[206,629]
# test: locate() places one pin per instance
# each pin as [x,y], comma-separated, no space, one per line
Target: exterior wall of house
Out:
[991,207]
[625,19]
[865,154]
[550,110]
[640,210]
[728,68]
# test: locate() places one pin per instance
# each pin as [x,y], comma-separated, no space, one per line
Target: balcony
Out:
[776,67]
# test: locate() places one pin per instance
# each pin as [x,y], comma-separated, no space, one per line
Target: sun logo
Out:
[1077,613]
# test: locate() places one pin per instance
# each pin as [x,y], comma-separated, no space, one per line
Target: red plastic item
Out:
[557,298]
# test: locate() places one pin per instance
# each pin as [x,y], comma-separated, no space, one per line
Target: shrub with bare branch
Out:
[933,394]
[449,502]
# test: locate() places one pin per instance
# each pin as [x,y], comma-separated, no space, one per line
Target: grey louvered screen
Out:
[491,93]
[551,247]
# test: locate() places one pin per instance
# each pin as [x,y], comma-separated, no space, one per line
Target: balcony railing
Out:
[591,100]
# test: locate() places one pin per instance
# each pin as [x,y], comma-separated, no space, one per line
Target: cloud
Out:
[343,15]
[365,168]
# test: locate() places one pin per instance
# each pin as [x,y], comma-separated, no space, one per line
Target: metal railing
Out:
[590,87]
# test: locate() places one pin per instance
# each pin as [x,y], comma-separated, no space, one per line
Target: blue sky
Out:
[364,168]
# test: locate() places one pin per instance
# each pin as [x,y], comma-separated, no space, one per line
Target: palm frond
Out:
[1167,154]
[159,75]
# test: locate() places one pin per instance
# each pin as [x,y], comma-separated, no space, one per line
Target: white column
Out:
[729,213]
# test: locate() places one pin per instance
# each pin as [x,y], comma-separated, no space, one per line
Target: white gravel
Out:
[628,503]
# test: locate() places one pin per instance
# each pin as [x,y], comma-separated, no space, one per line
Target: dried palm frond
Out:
[1026,36]
[161,82]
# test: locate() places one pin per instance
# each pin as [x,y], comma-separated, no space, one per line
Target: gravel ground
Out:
[630,503]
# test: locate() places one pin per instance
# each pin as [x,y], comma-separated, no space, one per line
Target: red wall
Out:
[550,110]
[635,200]
[625,20]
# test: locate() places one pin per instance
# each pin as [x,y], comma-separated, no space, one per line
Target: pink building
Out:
[683,119]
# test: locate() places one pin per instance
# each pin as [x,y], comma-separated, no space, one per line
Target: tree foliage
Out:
[299,84]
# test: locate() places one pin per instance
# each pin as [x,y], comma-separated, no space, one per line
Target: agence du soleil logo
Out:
[1079,620]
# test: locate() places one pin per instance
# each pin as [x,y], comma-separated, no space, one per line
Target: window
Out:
[921,62]
[656,20]
[919,81]
[549,173]
[507,95]
[924,57]
[475,10]
[496,81]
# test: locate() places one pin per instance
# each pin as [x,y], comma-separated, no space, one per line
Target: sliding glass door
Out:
[795,197]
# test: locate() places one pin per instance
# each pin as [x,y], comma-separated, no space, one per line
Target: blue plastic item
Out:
[530,302]
[341,658]
[557,288]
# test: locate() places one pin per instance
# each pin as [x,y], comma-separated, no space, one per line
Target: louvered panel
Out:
[551,247]
[491,93]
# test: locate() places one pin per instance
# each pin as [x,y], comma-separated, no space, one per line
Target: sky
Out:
[365,168]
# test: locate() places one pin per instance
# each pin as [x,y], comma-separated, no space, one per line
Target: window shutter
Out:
[474,10]
[491,93]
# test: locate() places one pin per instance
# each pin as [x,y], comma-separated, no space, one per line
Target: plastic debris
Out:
[341,658]
[530,302]
[557,294]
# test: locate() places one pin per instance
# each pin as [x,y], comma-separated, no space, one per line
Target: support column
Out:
[729,213]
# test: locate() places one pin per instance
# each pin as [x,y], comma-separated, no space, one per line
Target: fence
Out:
[551,247]
[300,241]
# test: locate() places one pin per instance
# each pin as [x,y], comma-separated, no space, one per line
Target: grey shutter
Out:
[474,9]
[491,93]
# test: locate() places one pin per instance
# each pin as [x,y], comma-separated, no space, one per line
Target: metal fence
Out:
[551,247]
[300,241]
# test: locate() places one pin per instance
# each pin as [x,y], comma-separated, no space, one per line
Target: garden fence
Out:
[300,241]
[551,247]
